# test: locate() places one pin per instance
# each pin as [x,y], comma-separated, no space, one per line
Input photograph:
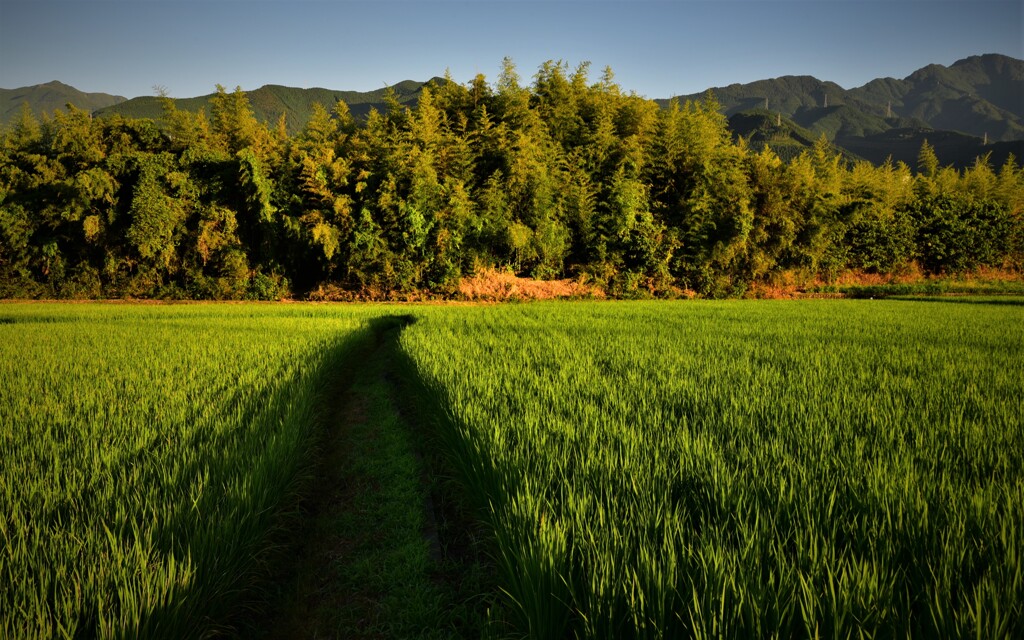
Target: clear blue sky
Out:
[656,48]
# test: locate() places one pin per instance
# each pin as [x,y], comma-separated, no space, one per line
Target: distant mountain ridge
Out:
[270,101]
[979,96]
[973,107]
[49,97]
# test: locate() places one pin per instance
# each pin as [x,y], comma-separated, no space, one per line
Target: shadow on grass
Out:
[252,476]
[377,549]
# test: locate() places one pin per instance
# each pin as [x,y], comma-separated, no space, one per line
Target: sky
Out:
[656,48]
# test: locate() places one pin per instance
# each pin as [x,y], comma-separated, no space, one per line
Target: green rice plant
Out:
[147,454]
[687,469]
[741,469]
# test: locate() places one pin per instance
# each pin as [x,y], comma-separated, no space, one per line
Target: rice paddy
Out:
[737,469]
[145,451]
[816,468]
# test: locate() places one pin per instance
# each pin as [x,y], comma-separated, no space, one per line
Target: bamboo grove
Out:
[562,178]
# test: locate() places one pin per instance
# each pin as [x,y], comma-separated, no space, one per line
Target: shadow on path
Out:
[366,557]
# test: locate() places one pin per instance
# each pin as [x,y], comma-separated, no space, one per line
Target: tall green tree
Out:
[705,196]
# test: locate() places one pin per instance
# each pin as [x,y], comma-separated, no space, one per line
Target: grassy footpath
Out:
[373,558]
[178,471]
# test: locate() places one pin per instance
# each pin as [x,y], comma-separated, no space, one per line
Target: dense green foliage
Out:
[147,453]
[843,469]
[563,178]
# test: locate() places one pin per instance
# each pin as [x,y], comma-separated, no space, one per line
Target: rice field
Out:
[145,450]
[742,469]
[815,468]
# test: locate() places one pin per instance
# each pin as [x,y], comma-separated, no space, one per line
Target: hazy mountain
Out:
[978,95]
[821,107]
[958,109]
[270,101]
[786,138]
[47,98]
[951,148]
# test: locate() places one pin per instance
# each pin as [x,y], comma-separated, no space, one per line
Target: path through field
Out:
[368,560]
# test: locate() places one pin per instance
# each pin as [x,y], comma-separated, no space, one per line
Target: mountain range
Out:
[47,98]
[270,101]
[972,107]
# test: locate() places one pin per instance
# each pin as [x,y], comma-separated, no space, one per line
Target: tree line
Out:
[562,178]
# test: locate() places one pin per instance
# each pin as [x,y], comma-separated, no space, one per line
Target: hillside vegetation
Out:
[565,178]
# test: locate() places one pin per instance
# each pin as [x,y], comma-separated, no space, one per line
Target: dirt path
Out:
[368,559]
